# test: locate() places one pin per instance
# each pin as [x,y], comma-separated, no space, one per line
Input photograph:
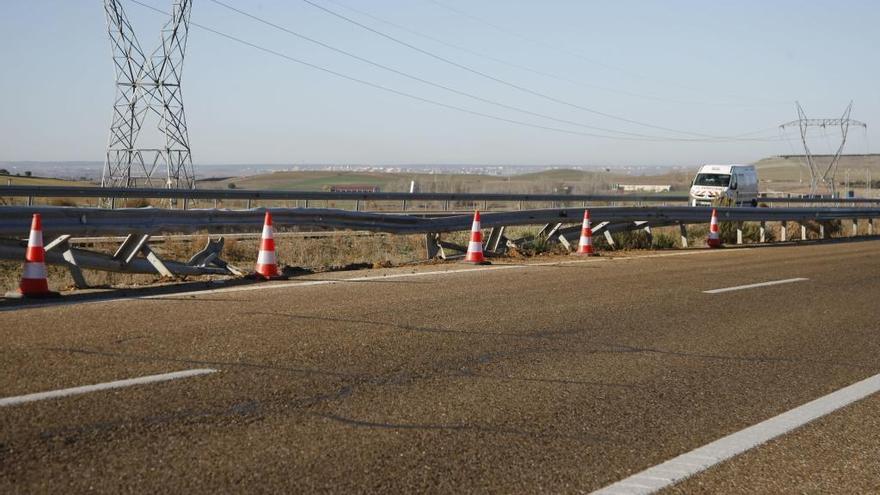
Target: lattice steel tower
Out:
[823,173]
[148,90]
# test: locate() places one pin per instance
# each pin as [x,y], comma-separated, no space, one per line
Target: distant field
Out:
[778,173]
[791,172]
[15,180]
[580,182]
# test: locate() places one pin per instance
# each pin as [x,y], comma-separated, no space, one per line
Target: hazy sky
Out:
[706,67]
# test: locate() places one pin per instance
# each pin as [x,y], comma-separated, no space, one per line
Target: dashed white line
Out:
[674,470]
[752,286]
[66,392]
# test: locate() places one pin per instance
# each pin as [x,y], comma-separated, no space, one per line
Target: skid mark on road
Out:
[67,392]
[686,465]
[753,286]
[457,427]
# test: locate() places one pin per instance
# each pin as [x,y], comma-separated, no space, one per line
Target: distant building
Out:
[563,189]
[656,188]
[354,188]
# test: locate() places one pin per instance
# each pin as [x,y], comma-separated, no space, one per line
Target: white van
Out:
[738,183]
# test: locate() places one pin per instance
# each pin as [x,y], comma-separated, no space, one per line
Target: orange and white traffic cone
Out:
[475,247]
[585,247]
[267,264]
[34,279]
[714,240]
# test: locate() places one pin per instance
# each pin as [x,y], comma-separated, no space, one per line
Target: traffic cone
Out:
[34,281]
[585,247]
[714,240]
[267,264]
[475,247]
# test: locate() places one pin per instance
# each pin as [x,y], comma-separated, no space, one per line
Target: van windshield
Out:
[712,180]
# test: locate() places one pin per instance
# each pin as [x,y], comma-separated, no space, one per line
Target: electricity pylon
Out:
[823,173]
[148,89]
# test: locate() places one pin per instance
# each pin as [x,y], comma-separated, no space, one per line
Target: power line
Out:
[395,91]
[569,52]
[499,80]
[525,68]
[420,98]
[422,80]
[434,84]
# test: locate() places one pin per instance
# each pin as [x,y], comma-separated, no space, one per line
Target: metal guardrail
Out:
[15,220]
[820,200]
[280,195]
[256,195]
[139,224]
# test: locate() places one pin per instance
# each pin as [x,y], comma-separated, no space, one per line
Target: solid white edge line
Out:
[686,465]
[308,283]
[752,286]
[66,392]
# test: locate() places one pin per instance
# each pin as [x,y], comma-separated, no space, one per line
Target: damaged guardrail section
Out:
[15,220]
[139,224]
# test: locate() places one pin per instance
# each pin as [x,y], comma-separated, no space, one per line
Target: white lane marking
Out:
[674,470]
[54,394]
[375,277]
[752,286]
[247,288]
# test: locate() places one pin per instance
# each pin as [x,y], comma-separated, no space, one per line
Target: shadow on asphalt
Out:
[109,293]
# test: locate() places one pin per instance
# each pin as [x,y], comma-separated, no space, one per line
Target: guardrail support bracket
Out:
[432,246]
[62,244]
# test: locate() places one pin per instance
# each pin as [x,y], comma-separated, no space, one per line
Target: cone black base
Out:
[484,262]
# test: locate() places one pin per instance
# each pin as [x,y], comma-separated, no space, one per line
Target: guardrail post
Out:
[803,232]
[404,205]
[762,231]
[215,204]
[610,239]
[112,203]
[684,234]
[30,201]
[432,248]
[739,233]
[870,226]
[185,203]
[446,205]
[855,227]
[783,231]
[821,231]
[62,244]
[357,205]
[248,205]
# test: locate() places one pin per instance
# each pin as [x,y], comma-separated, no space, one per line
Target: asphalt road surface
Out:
[565,376]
